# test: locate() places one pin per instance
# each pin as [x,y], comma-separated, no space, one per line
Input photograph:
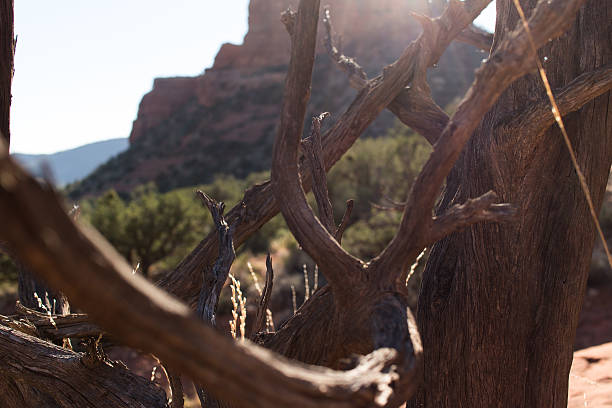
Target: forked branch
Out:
[80,262]
[308,231]
[413,105]
[261,206]
[512,59]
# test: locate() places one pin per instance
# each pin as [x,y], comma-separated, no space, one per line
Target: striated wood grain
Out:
[36,373]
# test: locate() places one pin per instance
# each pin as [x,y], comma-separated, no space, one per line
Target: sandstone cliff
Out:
[223,121]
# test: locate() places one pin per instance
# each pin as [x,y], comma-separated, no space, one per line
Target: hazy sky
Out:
[82,66]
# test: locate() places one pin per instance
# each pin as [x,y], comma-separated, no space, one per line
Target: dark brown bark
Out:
[36,373]
[266,293]
[58,327]
[7,51]
[211,288]
[29,287]
[499,303]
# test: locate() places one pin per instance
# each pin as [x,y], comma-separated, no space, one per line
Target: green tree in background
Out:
[160,228]
[150,227]
[376,174]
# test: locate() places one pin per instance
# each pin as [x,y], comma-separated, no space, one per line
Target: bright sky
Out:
[82,66]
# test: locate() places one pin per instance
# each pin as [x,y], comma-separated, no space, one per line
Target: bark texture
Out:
[36,373]
[7,49]
[499,303]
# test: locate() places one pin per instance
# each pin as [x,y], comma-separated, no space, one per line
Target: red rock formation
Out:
[223,121]
[168,94]
[375,32]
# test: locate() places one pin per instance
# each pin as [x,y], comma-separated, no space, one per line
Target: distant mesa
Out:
[190,128]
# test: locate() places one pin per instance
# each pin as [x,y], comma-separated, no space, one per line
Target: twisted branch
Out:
[511,60]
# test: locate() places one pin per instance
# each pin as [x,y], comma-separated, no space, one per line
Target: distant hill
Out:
[71,165]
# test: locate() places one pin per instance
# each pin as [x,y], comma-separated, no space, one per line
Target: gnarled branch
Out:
[306,228]
[314,153]
[511,60]
[213,283]
[262,308]
[357,76]
[260,203]
[211,287]
[80,262]
[538,117]
[477,37]
[483,208]
[345,220]
[414,105]
[58,327]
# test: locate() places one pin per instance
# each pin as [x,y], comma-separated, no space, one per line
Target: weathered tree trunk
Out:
[36,373]
[28,286]
[499,304]
[7,48]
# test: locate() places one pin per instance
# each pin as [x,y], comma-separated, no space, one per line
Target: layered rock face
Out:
[223,121]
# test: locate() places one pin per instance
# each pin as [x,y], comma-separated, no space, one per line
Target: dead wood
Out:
[537,117]
[511,59]
[362,317]
[38,373]
[508,296]
[262,307]
[483,208]
[259,201]
[368,310]
[81,262]
[57,327]
[7,51]
[345,220]
[213,283]
[314,153]
[211,288]
[477,37]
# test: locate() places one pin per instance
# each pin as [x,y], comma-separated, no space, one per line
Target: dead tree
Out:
[508,296]
[363,310]
[7,50]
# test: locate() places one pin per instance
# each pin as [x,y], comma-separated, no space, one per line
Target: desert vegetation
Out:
[505,213]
